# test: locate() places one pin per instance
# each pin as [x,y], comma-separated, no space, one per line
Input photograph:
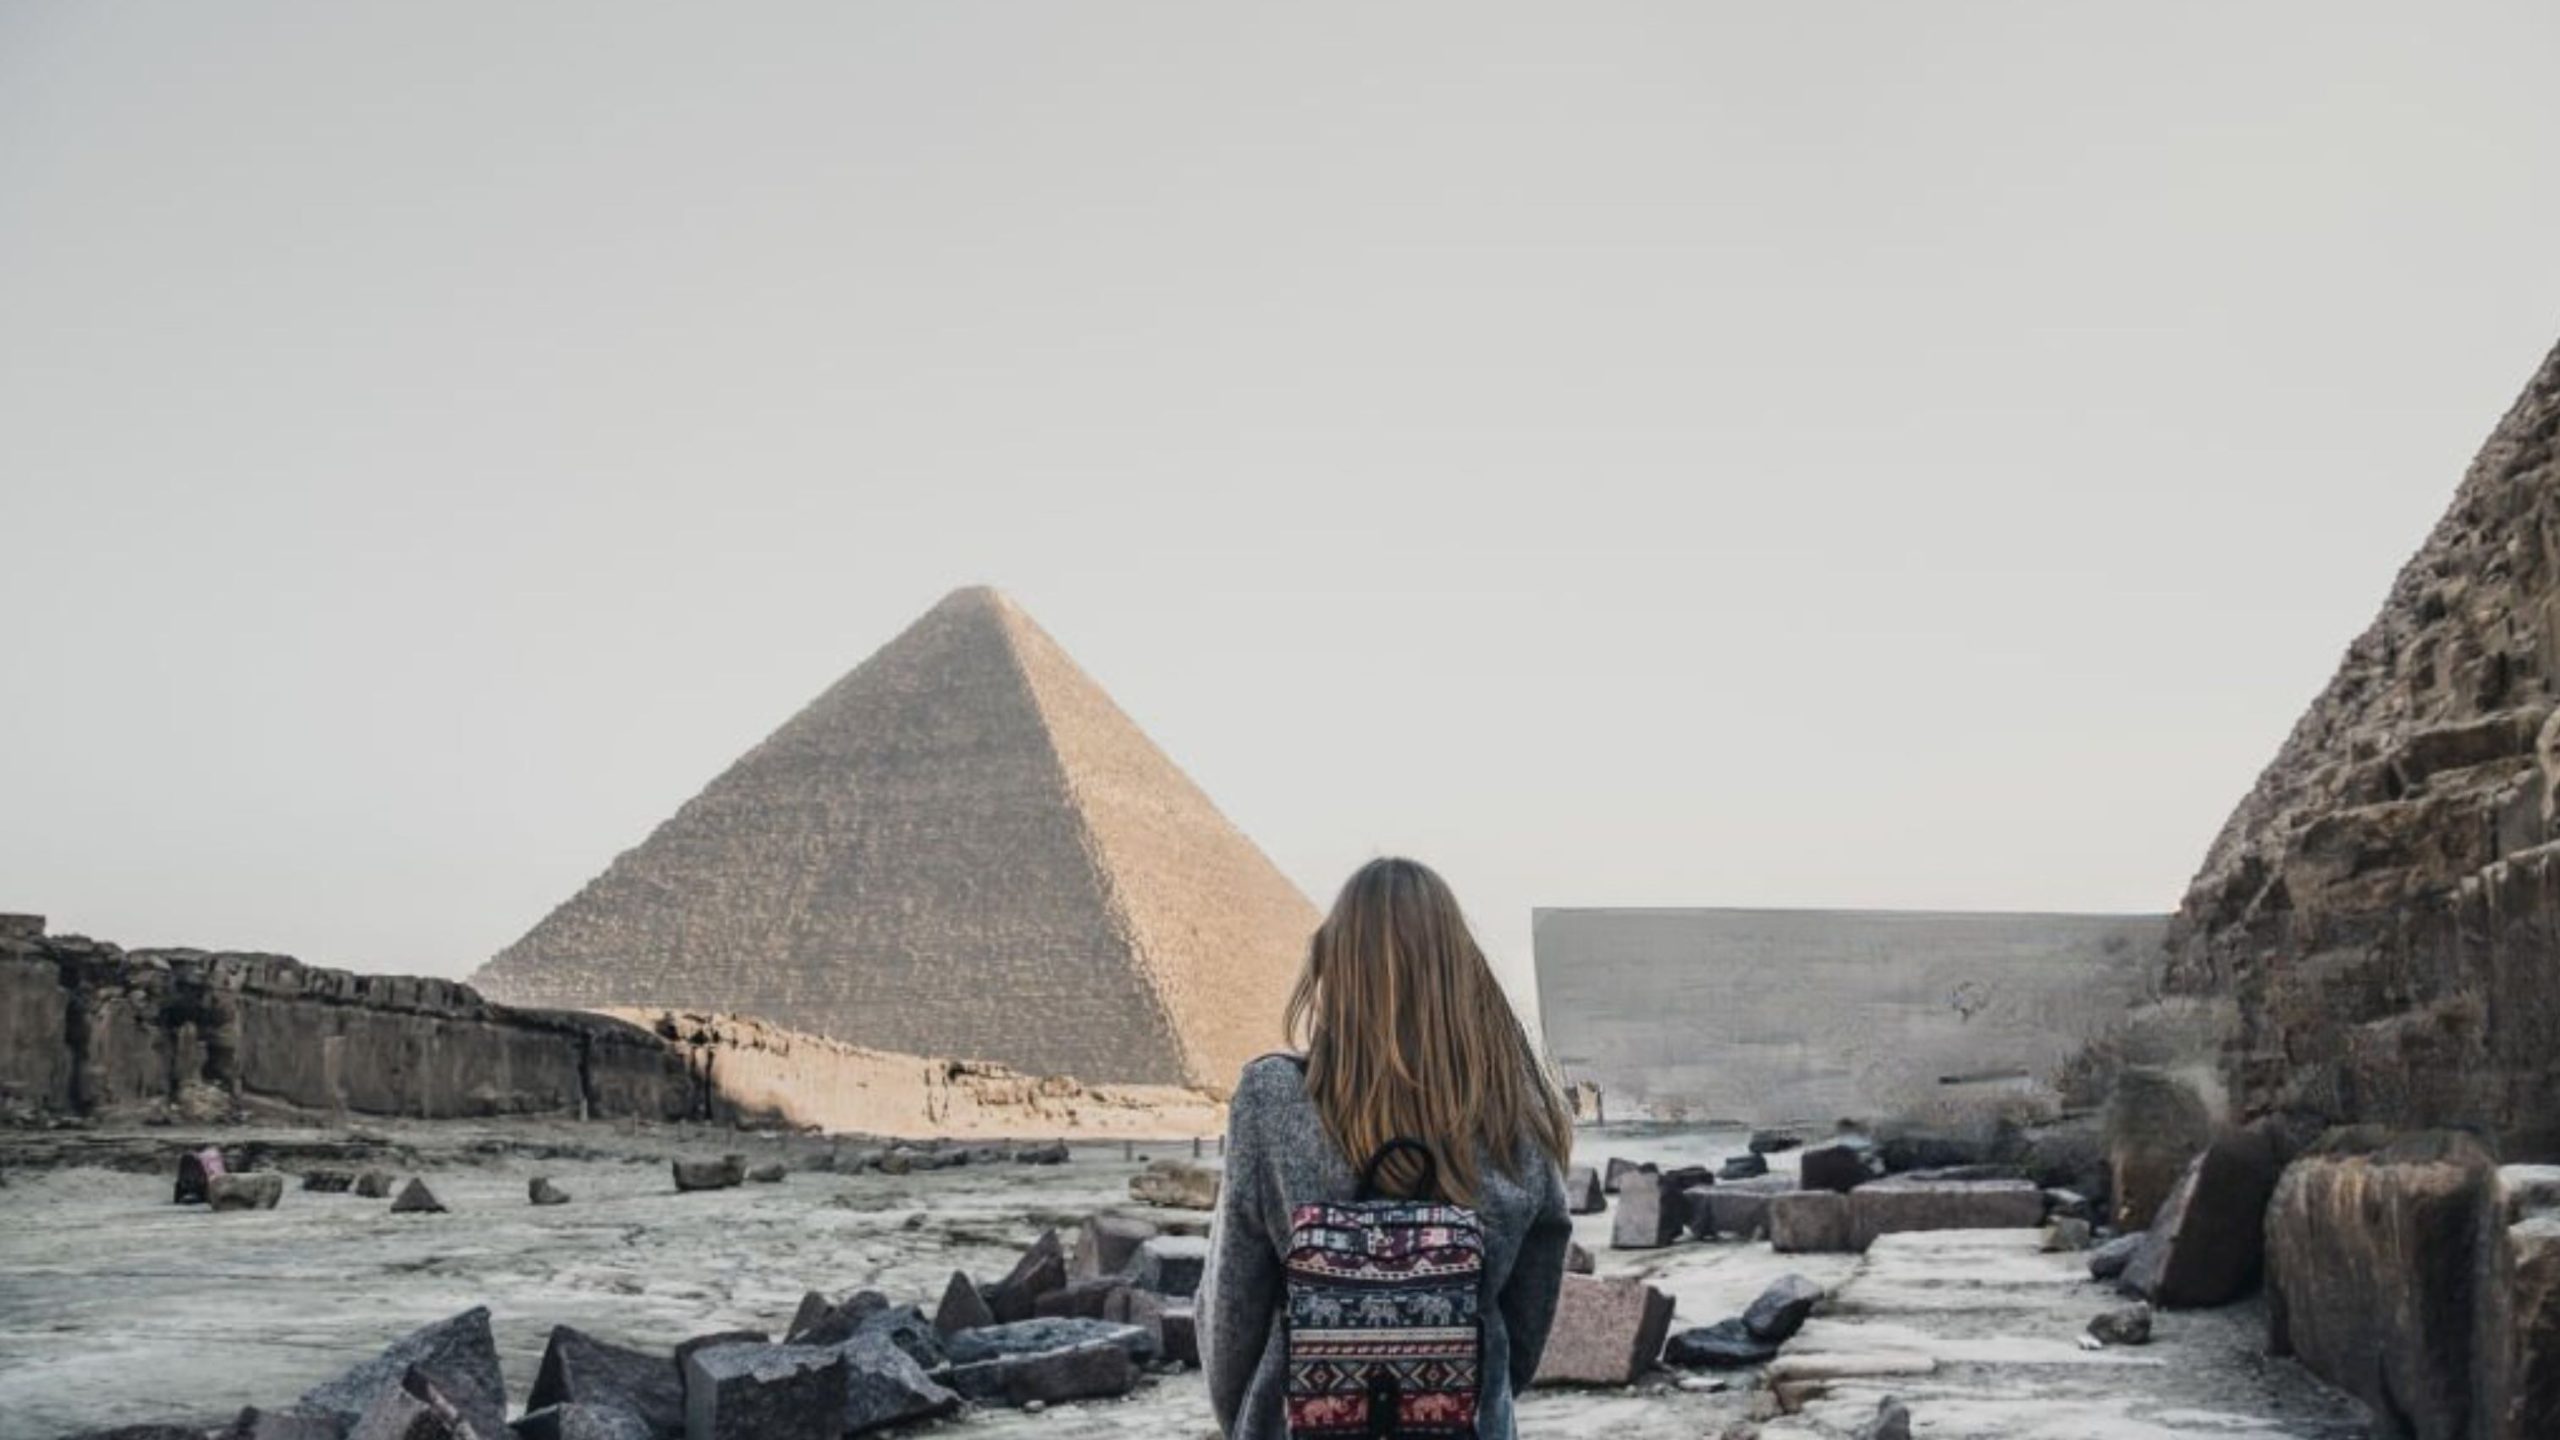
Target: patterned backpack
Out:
[1384,1337]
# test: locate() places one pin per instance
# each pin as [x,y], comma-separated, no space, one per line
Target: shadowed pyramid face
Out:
[962,848]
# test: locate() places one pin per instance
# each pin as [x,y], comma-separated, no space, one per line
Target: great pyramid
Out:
[962,848]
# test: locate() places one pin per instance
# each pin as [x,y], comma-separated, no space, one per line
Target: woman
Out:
[1406,1036]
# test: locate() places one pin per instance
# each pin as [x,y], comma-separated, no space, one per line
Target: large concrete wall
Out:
[1775,1016]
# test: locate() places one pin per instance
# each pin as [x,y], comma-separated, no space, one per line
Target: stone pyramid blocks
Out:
[963,848]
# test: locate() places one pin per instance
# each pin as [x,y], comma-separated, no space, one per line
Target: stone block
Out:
[1092,1370]
[585,1422]
[258,1190]
[1106,1243]
[256,1424]
[1582,1192]
[458,1356]
[770,1173]
[416,1199]
[1616,1173]
[541,1191]
[412,1409]
[764,1392]
[1781,1310]
[1027,1337]
[374,1185]
[2109,1260]
[1041,1269]
[2373,1267]
[328,1182]
[1606,1332]
[885,1385]
[1089,1299]
[2207,1242]
[962,1307]
[1890,1207]
[686,1348]
[1578,1261]
[1842,1165]
[2126,1325]
[1650,1212]
[821,1321]
[725,1173]
[1748,1166]
[1740,1211]
[1725,1345]
[1808,1221]
[579,1369]
[1170,1265]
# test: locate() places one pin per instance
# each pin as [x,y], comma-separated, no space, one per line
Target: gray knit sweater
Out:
[1279,1156]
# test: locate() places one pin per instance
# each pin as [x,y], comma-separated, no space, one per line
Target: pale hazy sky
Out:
[1856,455]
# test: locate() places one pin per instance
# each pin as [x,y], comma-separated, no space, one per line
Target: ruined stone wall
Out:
[91,1029]
[2379,921]
[88,1029]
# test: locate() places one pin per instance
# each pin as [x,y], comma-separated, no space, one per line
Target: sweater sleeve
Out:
[1241,1290]
[1528,1298]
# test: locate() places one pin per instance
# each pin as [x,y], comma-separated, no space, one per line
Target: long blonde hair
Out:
[1408,1035]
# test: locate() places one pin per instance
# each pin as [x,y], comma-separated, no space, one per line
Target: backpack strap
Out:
[1430,1167]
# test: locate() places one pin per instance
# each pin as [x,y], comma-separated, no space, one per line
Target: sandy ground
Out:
[117,1307]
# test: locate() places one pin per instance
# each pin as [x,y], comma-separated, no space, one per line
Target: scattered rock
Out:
[1170,1265]
[374,1185]
[196,1170]
[1650,1210]
[1748,1166]
[1782,1309]
[1093,1370]
[962,1307]
[2063,1235]
[1031,1337]
[2110,1259]
[2129,1325]
[1089,1299]
[1053,1153]
[328,1182]
[1106,1243]
[1842,1165]
[765,1392]
[1892,1207]
[1725,1345]
[1806,1221]
[579,1369]
[587,1422]
[412,1408]
[457,1356]
[258,1190]
[724,1173]
[885,1385]
[1176,1184]
[417,1199]
[1892,1422]
[1041,1269]
[1582,1192]
[1606,1332]
[821,1321]
[2207,1244]
[541,1191]
[686,1348]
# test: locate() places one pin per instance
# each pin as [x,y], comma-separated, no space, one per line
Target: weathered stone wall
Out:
[87,1029]
[94,1030]
[2379,921]
[1810,1015]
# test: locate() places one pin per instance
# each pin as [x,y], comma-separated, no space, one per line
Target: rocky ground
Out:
[118,1307]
